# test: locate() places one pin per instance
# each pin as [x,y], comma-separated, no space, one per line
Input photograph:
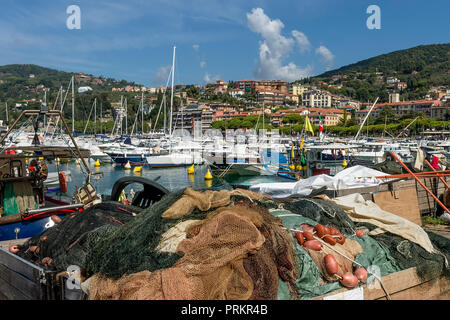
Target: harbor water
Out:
[172,178]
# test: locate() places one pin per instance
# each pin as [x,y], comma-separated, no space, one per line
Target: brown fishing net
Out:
[211,267]
[204,201]
[350,249]
[236,252]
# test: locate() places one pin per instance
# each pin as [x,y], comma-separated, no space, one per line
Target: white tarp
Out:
[361,210]
[345,179]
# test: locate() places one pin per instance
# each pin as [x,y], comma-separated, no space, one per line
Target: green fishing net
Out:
[68,242]
[132,248]
[408,254]
[310,281]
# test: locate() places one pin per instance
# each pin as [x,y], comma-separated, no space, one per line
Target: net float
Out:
[300,238]
[340,238]
[349,280]
[360,233]
[361,274]
[313,245]
[329,240]
[320,230]
[14,248]
[308,235]
[331,264]
[333,231]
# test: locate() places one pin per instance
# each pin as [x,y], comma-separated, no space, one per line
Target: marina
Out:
[319,171]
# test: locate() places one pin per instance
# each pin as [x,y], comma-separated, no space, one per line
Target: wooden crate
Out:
[405,285]
[22,280]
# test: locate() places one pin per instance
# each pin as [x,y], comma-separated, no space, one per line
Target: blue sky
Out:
[228,39]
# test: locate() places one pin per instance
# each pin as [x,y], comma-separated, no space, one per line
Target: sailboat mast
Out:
[73,105]
[142,113]
[101,115]
[95,116]
[171,96]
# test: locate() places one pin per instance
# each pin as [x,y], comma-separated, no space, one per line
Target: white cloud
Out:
[207,78]
[202,64]
[302,40]
[162,75]
[327,56]
[195,47]
[275,48]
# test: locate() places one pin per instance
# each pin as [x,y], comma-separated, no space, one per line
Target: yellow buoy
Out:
[344,163]
[208,175]
[128,165]
[191,170]
[41,158]
[208,183]
[137,169]
[97,163]
[291,166]
[304,168]
[298,167]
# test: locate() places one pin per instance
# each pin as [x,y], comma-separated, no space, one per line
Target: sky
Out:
[215,39]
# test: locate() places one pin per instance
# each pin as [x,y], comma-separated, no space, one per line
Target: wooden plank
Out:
[22,284]
[396,283]
[11,293]
[19,265]
[400,202]
[436,289]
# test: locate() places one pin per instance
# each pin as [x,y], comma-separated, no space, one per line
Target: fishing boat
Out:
[26,209]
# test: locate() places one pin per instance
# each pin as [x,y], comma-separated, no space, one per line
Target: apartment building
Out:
[270,98]
[431,108]
[297,89]
[316,98]
[329,117]
[272,85]
[246,85]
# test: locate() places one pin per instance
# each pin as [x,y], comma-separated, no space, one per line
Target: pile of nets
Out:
[196,245]
[226,244]
[68,242]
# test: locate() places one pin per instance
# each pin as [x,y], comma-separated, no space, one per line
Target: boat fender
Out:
[62,182]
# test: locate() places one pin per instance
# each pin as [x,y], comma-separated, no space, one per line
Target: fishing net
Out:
[313,280]
[324,212]
[408,254]
[221,257]
[133,248]
[68,242]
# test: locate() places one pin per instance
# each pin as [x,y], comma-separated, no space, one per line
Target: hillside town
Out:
[279,98]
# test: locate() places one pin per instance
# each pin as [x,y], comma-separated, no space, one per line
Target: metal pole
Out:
[420,182]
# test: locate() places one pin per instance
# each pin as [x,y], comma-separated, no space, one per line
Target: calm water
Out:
[171,178]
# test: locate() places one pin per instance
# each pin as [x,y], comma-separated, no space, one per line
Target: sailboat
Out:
[180,154]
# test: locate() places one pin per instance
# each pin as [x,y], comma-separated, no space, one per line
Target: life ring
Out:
[319,165]
[62,182]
